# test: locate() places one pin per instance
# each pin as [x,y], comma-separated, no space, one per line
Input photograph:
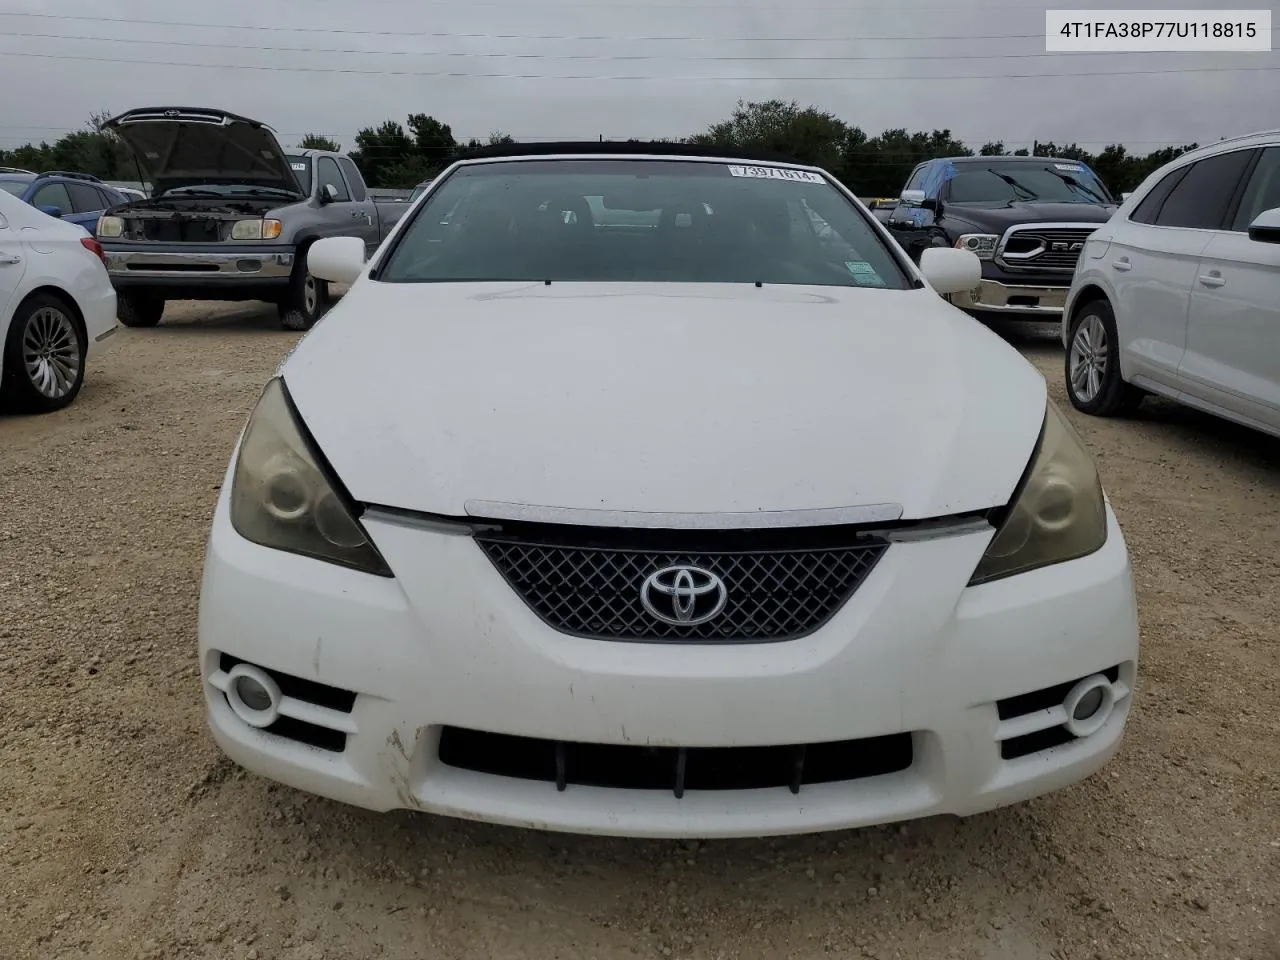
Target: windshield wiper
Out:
[1073,182]
[1017,185]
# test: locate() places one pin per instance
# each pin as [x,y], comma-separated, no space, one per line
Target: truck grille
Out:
[581,584]
[175,230]
[1055,247]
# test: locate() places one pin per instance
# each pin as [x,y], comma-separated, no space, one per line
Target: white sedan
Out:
[683,524]
[56,307]
[1179,293]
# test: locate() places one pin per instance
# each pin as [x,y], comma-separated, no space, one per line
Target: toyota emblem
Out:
[683,596]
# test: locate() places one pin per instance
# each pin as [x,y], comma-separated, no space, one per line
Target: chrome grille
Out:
[1052,247]
[774,593]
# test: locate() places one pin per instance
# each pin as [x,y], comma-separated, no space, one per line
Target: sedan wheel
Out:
[44,356]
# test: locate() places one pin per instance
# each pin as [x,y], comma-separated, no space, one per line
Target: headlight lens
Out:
[281,497]
[982,244]
[110,227]
[1059,514]
[255,230]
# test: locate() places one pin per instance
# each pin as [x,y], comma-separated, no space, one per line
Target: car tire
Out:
[1092,365]
[139,311]
[44,356]
[307,298]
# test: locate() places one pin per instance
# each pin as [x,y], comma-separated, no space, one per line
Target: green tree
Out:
[380,149]
[318,141]
[994,148]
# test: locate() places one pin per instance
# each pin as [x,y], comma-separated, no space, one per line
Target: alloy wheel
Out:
[1089,358]
[51,352]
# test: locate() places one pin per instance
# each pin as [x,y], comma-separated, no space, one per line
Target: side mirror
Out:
[1266,227]
[337,259]
[328,194]
[912,198]
[948,270]
[52,211]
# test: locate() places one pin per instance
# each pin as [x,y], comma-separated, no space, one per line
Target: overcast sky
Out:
[554,69]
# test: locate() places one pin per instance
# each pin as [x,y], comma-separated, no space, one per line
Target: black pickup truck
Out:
[1025,217]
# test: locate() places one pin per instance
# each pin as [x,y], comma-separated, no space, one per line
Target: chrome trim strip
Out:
[753,520]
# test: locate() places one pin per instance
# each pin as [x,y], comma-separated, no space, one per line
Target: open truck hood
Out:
[191,146]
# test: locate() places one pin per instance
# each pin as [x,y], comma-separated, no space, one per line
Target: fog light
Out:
[253,696]
[1088,705]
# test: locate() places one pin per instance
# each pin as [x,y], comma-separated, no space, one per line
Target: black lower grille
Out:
[741,592]
[673,768]
[1033,702]
[299,688]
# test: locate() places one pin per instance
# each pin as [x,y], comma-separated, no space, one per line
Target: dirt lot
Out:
[123,834]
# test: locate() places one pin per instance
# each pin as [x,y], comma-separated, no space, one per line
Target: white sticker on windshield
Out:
[1073,167]
[298,166]
[776,173]
[864,275]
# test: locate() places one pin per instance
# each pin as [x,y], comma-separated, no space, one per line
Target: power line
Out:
[564,56]
[134,21]
[353,71]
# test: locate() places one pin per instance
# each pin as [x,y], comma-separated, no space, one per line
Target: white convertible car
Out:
[661,495]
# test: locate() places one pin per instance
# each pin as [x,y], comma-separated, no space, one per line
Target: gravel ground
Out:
[123,833]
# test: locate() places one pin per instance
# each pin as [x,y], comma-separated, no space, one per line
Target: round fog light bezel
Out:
[253,717]
[1095,721]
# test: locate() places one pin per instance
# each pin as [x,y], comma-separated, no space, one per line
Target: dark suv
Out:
[77,197]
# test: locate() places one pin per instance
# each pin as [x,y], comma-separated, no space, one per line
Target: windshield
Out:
[618,220]
[16,187]
[1053,181]
[227,190]
[301,167]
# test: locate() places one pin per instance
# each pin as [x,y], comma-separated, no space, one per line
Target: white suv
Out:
[56,307]
[1179,293]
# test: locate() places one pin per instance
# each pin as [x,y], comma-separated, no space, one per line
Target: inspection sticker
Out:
[1072,167]
[298,166]
[776,173]
[864,275]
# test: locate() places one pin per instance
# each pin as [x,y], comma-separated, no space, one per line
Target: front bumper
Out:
[1014,300]
[449,643]
[198,265]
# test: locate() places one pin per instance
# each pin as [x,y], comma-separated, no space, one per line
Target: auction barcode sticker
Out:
[776,173]
[1098,31]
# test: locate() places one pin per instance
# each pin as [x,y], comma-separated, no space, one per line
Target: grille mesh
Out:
[773,595]
[1026,240]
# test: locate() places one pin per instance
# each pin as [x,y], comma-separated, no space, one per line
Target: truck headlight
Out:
[1058,512]
[982,244]
[110,227]
[255,230]
[283,497]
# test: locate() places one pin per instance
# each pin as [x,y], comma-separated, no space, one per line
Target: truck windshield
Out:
[301,167]
[664,221]
[1056,182]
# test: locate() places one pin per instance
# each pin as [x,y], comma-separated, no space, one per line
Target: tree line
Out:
[396,155]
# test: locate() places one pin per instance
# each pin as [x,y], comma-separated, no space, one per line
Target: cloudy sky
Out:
[552,69]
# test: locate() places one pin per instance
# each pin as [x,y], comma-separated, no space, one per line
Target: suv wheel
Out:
[43,356]
[1094,385]
[134,310]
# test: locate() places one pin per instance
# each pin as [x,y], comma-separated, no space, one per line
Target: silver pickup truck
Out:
[230,216]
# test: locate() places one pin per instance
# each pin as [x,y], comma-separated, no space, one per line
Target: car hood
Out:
[998,218]
[186,146]
[664,398]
